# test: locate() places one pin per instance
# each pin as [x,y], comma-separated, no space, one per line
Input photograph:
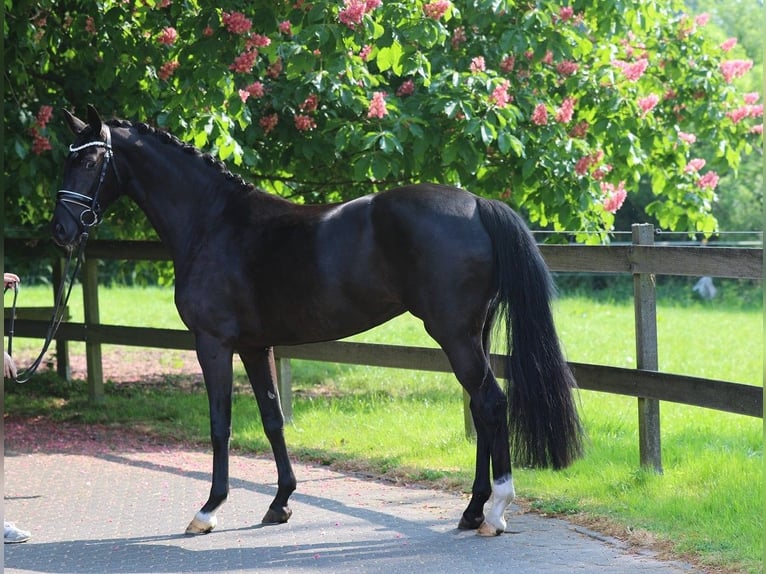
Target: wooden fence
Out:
[642,259]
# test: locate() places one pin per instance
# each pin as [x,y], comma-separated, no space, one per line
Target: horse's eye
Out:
[89,164]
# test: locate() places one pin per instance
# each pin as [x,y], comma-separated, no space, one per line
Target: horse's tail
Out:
[544,427]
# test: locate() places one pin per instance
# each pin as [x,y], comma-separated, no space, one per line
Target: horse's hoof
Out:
[202,523]
[486,529]
[277,516]
[470,523]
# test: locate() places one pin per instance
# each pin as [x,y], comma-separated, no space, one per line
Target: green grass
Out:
[707,504]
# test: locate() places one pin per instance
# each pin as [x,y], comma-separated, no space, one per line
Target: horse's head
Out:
[87,179]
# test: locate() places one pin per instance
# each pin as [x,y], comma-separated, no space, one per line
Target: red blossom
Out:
[269,122]
[566,13]
[208,31]
[167,69]
[364,53]
[354,11]
[458,37]
[648,103]
[309,104]
[90,26]
[44,115]
[257,41]
[580,130]
[507,64]
[286,27]
[406,89]
[566,68]
[304,123]
[274,69]
[168,36]
[244,63]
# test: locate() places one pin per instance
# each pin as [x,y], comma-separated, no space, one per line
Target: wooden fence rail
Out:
[642,260]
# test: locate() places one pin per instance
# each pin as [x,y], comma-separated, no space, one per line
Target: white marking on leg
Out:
[202,523]
[503,493]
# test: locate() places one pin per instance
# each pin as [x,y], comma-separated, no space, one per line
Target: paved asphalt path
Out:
[125,512]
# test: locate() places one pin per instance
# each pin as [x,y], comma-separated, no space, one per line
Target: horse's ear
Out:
[75,124]
[94,120]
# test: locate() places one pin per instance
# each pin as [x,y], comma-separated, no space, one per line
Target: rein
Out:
[89,217]
[58,314]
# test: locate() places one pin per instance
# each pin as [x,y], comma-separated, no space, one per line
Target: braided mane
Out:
[168,138]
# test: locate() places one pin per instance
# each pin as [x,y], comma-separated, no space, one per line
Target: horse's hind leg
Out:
[263,378]
[489,410]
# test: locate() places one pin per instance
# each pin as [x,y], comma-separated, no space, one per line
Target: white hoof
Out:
[486,529]
[503,493]
[202,523]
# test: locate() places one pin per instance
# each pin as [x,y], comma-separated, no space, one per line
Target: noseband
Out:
[91,213]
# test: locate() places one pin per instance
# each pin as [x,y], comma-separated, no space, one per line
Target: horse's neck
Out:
[180,194]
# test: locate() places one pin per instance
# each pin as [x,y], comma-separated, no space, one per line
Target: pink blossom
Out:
[752,97]
[580,130]
[477,64]
[164,3]
[647,104]
[269,122]
[244,63]
[757,129]
[436,10]
[304,123]
[632,71]
[370,5]
[256,89]
[353,12]
[548,58]
[44,115]
[565,112]
[732,69]
[738,115]
[377,107]
[708,181]
[257,41]
[582,166]
[687,138]
[458,37]
[500,95]
[168,36]
[364,53]
[614,197]
[40,143]
[566,13]
[728,44]
[702,19]
[310,104]
[406,89]
[167,69]
[540,115]
[274,69]
[236,22]
[286,27]
[90,26]
[207,32]
[694,165]
[566,68]
[507,64]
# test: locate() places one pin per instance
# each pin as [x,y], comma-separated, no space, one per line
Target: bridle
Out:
[90,216]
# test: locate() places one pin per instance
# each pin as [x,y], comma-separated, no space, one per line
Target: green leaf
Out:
[390,58]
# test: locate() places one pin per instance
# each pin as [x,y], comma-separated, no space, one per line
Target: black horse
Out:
[254,270]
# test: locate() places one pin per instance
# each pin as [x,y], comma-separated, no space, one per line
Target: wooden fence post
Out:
[285,385]
[63,368]
[645,309]
[92,348]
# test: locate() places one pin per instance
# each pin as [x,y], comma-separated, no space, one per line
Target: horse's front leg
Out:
[263,378]
[215,360]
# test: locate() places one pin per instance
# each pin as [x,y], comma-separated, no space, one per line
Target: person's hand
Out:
[9,367]
[10,280]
